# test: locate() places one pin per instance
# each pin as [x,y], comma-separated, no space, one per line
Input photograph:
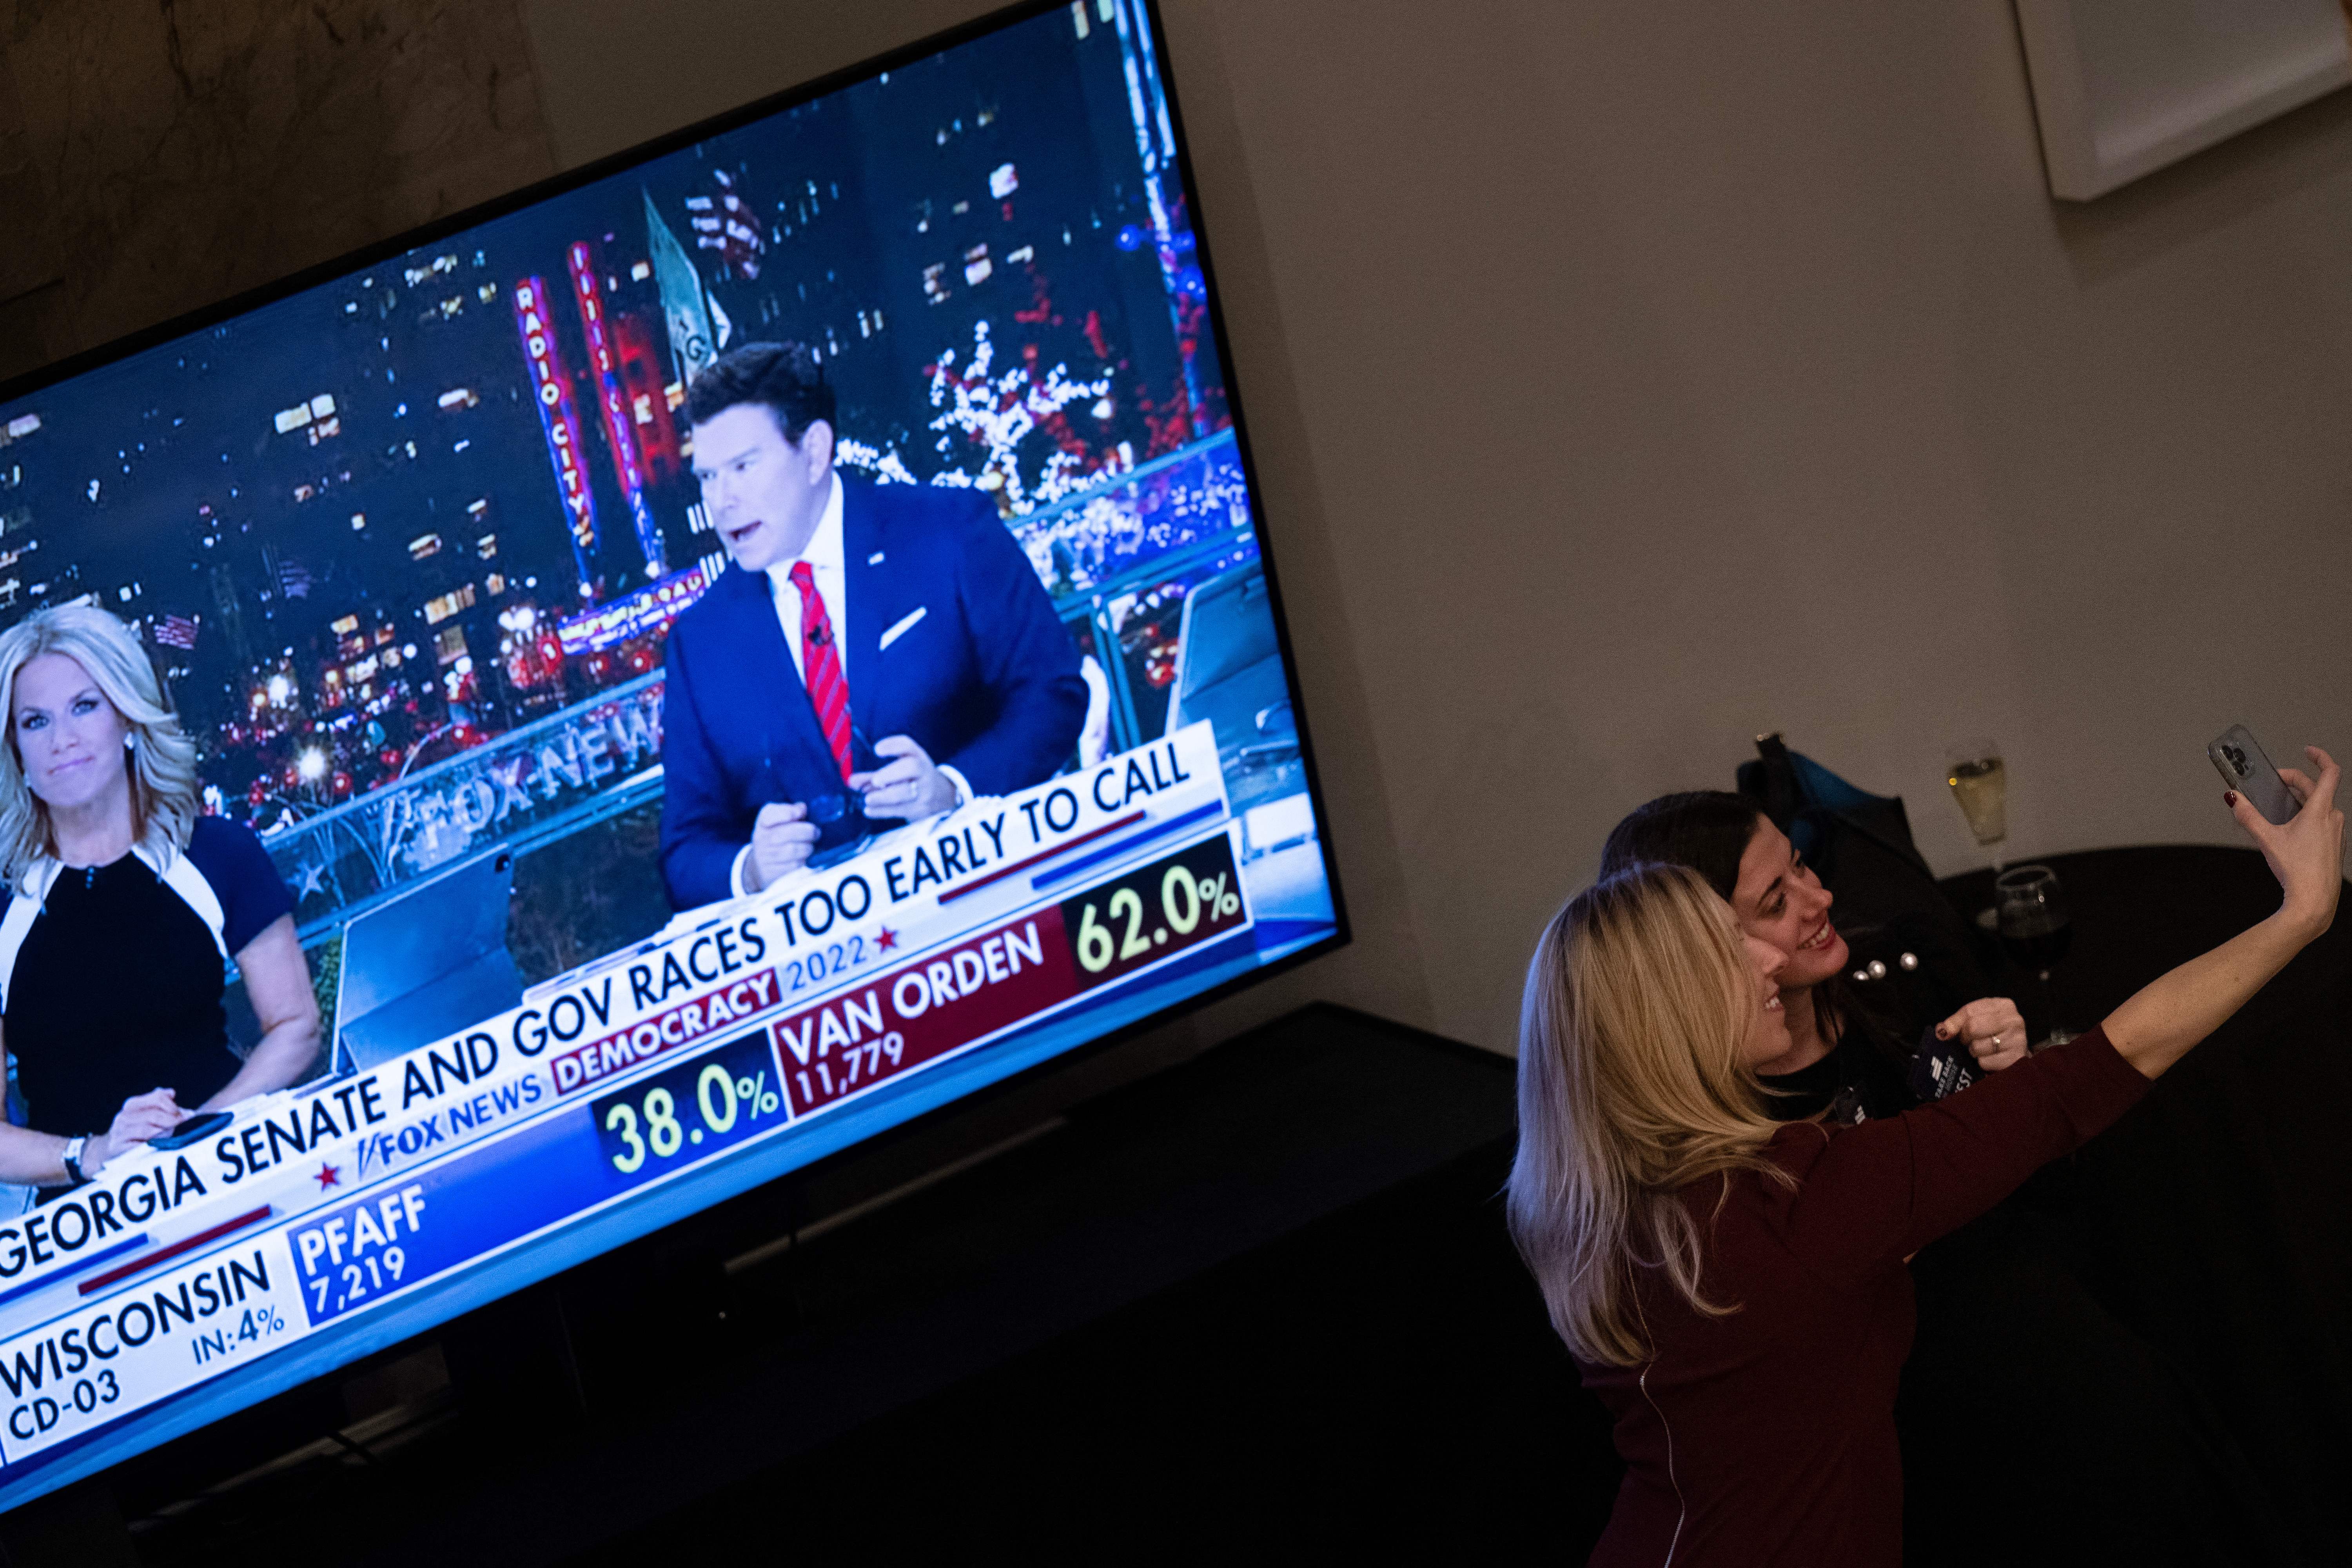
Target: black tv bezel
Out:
[562,184]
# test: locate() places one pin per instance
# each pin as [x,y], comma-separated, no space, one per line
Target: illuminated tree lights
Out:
[997,413]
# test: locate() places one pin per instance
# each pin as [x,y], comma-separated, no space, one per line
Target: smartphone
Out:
[2240,759]
[195,1129]
[1939,1068]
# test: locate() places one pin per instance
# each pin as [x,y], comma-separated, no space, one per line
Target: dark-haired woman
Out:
[1735,1288]
[1844,1059]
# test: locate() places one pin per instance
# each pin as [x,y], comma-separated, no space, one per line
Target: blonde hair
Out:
[1630,1087]
[164,798]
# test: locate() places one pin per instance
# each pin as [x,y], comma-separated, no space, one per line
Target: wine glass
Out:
[2029,907]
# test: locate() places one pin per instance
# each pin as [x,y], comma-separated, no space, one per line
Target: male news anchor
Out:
[852,610]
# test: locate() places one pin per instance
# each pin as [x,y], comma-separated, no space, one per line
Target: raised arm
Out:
[2158,1025]
[1887,1187]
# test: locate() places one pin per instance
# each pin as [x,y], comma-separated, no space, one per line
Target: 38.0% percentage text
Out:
[699,1106]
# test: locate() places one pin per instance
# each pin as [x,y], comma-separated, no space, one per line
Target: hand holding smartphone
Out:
[199,1126]
[2243,766]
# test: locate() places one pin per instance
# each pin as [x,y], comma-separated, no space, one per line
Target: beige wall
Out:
[1625,380]
[157,158]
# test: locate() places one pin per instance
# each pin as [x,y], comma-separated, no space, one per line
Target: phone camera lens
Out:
[2237,759]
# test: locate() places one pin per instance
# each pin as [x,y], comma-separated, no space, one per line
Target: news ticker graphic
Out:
[147,1342]
[734,1024]
[596,1150]
[724,1095]
[988,982]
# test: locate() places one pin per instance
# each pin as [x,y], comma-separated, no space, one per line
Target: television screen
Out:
[677,672]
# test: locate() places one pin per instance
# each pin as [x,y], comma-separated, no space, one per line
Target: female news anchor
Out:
[1733,1288]
[125,902]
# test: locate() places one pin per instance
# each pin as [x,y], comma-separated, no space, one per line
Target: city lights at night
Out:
[392,519]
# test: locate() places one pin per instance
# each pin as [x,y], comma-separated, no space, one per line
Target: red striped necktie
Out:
[828,690]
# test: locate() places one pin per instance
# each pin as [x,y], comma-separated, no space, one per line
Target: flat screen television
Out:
[434,550]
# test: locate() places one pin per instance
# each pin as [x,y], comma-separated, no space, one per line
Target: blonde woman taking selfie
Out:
[1733,1288]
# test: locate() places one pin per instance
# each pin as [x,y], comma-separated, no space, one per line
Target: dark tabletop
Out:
[2216,1218]
[2139,911]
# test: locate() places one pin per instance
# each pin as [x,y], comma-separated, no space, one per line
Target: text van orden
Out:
[952,976]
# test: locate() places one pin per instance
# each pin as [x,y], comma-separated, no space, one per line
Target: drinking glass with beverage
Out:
[2030,910]
[1979,783]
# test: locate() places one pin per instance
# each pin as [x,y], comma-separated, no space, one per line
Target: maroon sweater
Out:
[1767,1435]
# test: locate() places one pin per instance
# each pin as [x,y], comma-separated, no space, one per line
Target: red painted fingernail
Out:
[2230,798]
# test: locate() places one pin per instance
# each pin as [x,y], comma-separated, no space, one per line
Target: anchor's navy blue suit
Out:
[985,678]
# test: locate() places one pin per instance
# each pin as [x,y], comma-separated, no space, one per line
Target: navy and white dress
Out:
[112,977]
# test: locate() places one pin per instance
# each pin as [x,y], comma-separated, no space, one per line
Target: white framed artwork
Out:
[2125,87]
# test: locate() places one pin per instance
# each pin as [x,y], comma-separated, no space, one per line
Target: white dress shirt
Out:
[830,571]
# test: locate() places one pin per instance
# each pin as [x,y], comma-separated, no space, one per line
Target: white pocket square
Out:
[905,626]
